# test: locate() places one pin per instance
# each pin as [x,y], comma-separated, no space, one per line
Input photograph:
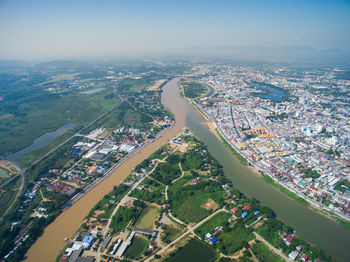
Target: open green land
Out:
[219,219]
[234,238]
[6,198]
[148,218]
[263,253]
[123,217]
[53,111]
[194,89]
[169,233]
[137,84]
[153,192]
[137,248]
[195,250]
[4,174]
[188,200]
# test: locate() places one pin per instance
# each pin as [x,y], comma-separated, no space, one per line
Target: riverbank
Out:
[60,229]
[318,207]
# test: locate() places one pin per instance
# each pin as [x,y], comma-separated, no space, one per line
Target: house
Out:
[293,255]
[93,169]
[244,214]
[212,240]
[247,207]
[256,212]
[235,209]
[207,236]
[288,239]
[304,257]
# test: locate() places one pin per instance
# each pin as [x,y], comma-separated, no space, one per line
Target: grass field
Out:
[50,113]
[4,174]
[219,219]
[136,85]
[6,198]
[148,217]
[137,248]
[263,253]
[234,239]
[194,89]
[194,251]
[169,233]
[187,200]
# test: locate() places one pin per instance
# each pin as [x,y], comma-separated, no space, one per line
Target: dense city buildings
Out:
[291,124]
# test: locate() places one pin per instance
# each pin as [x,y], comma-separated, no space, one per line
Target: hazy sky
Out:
[50,28]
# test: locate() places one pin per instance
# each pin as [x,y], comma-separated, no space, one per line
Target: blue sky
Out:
[43,29]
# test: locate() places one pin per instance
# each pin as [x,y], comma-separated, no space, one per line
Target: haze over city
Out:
[64,29]
[177,131]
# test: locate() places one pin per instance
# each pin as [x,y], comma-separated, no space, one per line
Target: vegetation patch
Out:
[194,89]
[263,253]
[169,233]
[234,239]
[220,219]
[284,190]
[187,201]
[123,217]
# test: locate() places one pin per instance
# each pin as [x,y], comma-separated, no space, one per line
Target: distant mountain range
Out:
[288,53]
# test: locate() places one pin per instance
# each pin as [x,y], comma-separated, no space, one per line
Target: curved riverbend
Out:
[312,226]
[47,247]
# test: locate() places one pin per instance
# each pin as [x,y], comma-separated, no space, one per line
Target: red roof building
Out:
[235,209]
[247,207]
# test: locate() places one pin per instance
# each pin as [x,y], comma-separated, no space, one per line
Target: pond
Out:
[41,141]
[194,251]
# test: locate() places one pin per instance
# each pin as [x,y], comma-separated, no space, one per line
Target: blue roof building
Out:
[213,240]
[87,241]
[244,214]
[256,212]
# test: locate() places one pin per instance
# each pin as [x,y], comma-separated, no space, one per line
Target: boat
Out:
[65,239]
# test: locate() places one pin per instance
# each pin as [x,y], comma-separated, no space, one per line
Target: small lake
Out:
[269,92]
[41,141]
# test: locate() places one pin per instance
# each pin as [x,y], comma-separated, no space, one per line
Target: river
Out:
[312,226]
